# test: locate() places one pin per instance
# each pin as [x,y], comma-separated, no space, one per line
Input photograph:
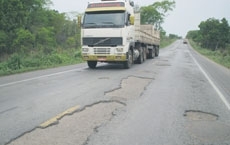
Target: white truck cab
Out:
[108,33]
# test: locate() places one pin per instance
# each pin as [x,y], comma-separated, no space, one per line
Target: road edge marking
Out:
[224,100]
[39,77]
[55,119]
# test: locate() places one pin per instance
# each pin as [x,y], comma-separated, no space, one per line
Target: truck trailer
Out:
[111,32]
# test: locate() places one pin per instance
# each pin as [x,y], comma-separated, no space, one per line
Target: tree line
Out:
[29,25]
[213,34]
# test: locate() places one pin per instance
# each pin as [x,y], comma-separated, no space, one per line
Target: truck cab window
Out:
[104,19]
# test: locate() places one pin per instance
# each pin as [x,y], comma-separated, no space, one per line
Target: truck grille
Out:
[102,41]
[101,50]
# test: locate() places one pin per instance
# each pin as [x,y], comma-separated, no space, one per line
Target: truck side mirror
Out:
[132,3]
[79,20]
[132,20]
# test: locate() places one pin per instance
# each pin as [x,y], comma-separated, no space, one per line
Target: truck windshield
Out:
[104,19]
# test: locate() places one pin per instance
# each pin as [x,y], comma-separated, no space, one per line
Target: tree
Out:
[30,24]
[24,40]
[174,36]
[224,33]
[194,35]
[214,33]
[155,13]
[46,37]
[17,16]
[3,42]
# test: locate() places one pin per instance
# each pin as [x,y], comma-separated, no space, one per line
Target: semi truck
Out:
[111,32]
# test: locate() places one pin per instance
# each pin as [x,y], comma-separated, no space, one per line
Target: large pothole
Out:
[130,88]
[206,127]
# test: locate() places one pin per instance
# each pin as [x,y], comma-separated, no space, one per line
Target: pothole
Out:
[130,88]
[206,127]
[199,115]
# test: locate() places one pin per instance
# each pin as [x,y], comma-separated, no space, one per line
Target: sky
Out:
[186,16]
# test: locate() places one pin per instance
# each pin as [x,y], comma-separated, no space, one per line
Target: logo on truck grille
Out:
[101,50]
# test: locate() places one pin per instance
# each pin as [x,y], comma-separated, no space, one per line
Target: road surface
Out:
[177,98]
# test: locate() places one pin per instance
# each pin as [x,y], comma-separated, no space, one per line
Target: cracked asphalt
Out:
[164,101]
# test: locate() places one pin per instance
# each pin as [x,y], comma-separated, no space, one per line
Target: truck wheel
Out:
[157,52]
[145,55]
[151,53]
[92,64]
[129,62]
[140,59]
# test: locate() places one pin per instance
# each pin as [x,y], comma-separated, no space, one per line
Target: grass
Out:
[221,57]
[19,63]
[166,42]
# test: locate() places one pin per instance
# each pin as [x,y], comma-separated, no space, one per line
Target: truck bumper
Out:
[104,58]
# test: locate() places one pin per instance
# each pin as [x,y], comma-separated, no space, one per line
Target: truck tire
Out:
[144,54]
[151,54]
[129,62]
[157,52]
[92,64]
[141,58]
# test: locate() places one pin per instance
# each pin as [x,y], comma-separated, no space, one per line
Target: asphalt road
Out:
[177,98]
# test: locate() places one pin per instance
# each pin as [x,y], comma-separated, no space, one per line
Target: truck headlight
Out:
[85,49]
[119,49]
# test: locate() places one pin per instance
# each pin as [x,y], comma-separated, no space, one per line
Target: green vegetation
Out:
[167,40]
[212,40]
[219,56]
[33,36]
[38,60]
[155,14]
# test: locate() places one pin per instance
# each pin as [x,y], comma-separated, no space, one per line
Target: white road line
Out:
[35,78]
[212,83]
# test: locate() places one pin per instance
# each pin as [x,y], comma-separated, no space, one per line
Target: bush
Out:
[226,61]
[55,58]
[3,67]
[24,41]
[71,42]
[52,59]
[31,62]
[14,62]
[77,54]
